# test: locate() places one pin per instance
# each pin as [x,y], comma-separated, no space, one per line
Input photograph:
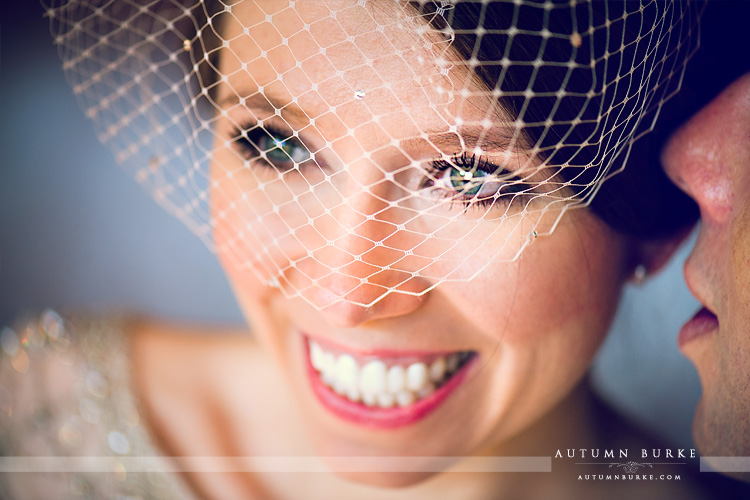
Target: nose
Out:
[707,158]
[702,156]
[366,271]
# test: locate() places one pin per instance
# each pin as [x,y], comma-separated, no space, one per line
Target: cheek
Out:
[568,288]
[247,278]
[735,338]
[230,235]
[253,227]
[740,260]
[544,316]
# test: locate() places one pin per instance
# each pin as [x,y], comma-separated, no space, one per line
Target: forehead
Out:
[361,60]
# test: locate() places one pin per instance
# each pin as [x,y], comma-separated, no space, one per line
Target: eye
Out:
[474,183]
[276,148]
[473,179]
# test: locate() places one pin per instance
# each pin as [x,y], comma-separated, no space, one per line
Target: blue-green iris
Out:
[467,182]
[287,150]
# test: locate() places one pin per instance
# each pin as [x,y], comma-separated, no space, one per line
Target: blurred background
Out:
[76,233]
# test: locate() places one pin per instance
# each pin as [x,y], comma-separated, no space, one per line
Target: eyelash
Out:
[511,186]
[248,140]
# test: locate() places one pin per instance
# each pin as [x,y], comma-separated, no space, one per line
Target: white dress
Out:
[65,392]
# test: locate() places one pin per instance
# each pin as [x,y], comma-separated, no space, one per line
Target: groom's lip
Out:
[702,324]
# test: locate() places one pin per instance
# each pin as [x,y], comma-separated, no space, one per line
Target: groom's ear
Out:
[653,255]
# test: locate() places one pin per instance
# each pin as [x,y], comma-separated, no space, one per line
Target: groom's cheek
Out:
[739,295]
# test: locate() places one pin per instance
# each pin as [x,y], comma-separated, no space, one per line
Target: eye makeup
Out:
[465,177]
[473,179]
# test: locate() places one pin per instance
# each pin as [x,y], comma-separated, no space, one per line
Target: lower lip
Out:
[383,418]
[702,324]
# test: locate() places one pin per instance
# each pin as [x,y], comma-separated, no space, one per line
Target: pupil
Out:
[284,150]
[466,181]
[277,150]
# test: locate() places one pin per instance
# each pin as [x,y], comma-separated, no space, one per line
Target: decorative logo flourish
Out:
[631,467]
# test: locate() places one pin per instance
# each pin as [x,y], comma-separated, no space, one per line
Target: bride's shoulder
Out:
[172,362]
[200,373]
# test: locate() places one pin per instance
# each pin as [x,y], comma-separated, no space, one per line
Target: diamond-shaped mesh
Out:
[374,143]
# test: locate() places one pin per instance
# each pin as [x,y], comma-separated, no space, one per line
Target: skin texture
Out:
[709,158]
[535,323]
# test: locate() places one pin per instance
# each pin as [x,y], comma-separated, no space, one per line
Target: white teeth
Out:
[372,377]
[437,370]
[377,385]
[329,365]
[396,379]
[316,356]
[369,399]
[416,376]
[405,398]
[353,395]
[339,387]
[386,399]
[346,371]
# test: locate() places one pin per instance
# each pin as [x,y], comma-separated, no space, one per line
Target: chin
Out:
[716,438]
[375,463]
[705,433]
[392,480]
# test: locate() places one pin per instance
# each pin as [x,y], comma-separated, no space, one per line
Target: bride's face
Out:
[330,130]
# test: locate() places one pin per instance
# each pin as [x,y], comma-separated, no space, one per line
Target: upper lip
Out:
[692,280]
[380,352]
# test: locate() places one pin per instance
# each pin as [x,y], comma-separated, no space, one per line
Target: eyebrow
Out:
[467,136]
[266,103]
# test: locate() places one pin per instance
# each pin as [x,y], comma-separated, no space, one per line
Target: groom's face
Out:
[709,158]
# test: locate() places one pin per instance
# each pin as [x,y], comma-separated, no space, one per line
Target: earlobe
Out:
[639,274]
[652,255]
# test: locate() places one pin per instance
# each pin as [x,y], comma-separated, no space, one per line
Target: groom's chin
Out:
[723,441]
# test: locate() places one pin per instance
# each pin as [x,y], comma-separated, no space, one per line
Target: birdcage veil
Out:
[390,145]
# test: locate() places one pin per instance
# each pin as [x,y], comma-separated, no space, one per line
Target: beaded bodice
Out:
[65,393]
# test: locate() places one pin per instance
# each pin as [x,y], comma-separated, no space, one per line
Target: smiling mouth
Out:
[384,392]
